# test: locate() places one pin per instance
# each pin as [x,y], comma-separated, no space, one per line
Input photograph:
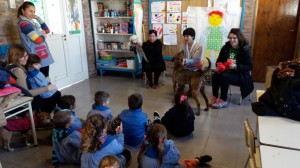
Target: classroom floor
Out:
[218,133]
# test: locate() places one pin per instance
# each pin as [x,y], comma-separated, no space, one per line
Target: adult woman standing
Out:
[155,64]
[17,60]
[31,35]
[233,67]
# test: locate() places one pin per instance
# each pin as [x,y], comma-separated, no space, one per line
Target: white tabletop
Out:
[279,131]
[273,157]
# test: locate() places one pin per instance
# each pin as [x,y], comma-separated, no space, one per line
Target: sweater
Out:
[170,158]
[37,79]
[176,123]
[113,145]
[134,126]
[104,111]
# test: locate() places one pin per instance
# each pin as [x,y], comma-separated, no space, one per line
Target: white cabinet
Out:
[113,40]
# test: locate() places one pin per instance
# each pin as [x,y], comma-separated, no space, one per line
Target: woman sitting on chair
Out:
[153,50]
[233,67]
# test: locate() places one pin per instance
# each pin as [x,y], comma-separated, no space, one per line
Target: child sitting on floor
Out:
[158,151]
[179,120]
[134,121]
[67,103]
[96,144]
[66,141]
[110,161]
[101,105]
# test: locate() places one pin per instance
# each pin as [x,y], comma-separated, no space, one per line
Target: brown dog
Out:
[23,124]
[195,79]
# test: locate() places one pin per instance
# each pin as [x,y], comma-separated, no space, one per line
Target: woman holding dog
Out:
[192,51]
[17,60]
[233,67]
[153,50]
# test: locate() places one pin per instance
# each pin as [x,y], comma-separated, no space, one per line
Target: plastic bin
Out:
[112,62]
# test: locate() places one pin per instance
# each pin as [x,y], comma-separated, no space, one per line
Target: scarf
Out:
[187,52]
[38,26]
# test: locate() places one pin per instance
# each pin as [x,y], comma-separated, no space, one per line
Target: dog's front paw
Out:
[206,109]
[197,113]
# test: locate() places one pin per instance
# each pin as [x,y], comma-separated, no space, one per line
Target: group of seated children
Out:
[99,142]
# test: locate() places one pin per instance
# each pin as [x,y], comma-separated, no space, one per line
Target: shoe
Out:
[156,115]
[155,86]
[148,85]
[213,101]
[204,159]
[220,104]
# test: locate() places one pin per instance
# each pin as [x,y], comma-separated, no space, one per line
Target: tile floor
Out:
[218,133]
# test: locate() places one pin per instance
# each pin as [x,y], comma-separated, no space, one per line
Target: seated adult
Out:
[17,60]
[233,67]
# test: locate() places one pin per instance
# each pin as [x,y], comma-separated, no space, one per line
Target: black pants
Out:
[222,81]
[47,104]
[156,77]
[45,70]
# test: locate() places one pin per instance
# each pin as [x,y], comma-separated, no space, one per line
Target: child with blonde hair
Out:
[96,144]
[110,161]
[159,152]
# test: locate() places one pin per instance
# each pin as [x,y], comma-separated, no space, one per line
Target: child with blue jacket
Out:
[65,140]
[101,105]
[96,144]
[134,120]
[159,152]
[67,103]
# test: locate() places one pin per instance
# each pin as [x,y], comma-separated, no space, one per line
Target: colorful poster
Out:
[174,18]
[184,17]
[170,29]
[158,18]
[138,19]
[173,6]
[170,39]
[73,16]
[159,30]
[158,6]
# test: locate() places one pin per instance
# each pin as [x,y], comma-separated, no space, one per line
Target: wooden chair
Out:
[240,101]
[163,75]
[254,152]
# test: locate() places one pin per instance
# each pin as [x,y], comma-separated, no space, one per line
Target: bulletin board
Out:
[171,50]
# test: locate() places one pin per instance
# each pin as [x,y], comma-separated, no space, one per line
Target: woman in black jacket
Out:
[233,67]
[155,64]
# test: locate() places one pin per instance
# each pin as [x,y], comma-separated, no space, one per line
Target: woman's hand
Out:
[232,66]
[36,16]
[51,87]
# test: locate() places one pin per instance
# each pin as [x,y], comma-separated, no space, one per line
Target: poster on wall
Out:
[174,18]
[158,18]
[138,19]
[173,6]
[169,28]
[184,17]
[73,16]
[170,39]
[159,30]
[158,6]
[183,27]
[212,26]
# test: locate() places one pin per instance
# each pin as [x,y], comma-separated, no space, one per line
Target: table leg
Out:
[32,124]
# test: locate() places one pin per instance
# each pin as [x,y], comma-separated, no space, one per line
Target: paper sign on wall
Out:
[158,18]
[158,6]
[183,27]
[184,17]
[159,29]
[170,39]
[174,18]
[173,6]
[169,28]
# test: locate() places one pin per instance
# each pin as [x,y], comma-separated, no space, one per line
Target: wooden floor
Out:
[218,133]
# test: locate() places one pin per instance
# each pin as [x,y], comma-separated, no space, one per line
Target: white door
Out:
[66,41]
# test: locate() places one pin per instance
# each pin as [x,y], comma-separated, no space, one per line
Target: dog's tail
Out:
[207,69]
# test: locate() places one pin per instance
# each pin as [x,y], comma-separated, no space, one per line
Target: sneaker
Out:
[213,101]
[220,104]
[204,159]
[156,115]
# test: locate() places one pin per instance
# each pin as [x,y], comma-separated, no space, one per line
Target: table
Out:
[24,102]
[273,157]
[279,132]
